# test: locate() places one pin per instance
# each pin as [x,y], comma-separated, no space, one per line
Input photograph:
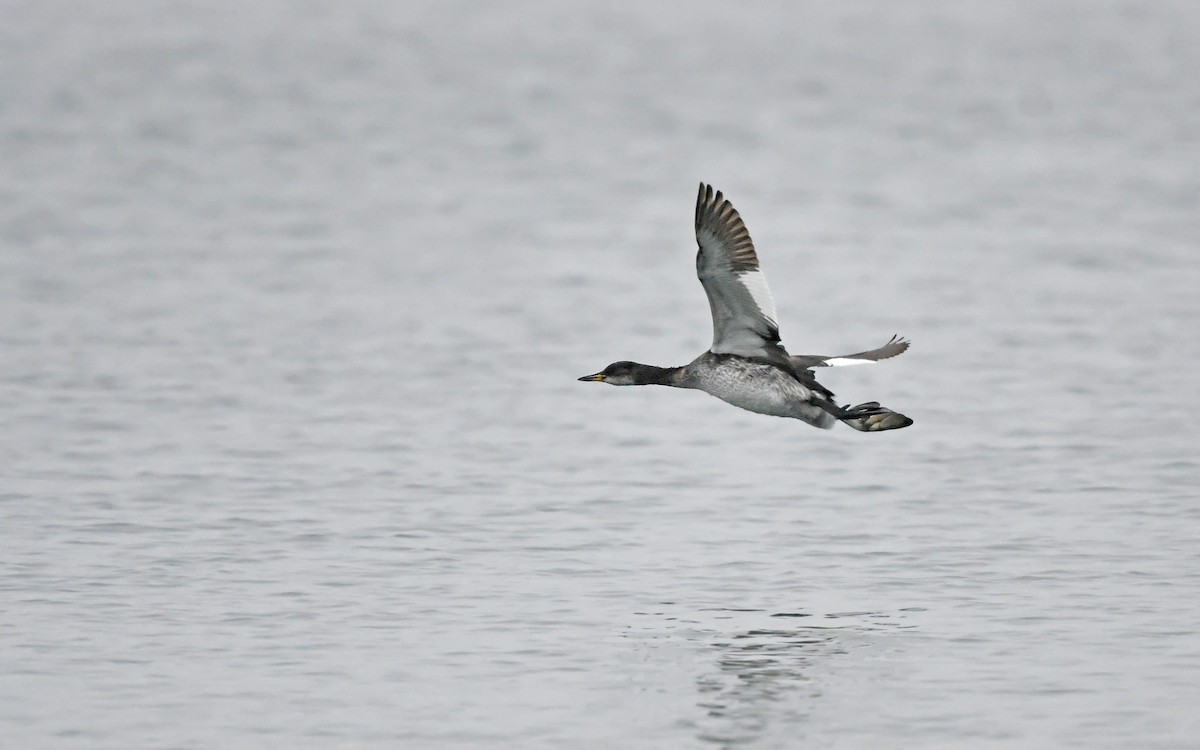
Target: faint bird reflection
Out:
[765,676]
[758,675]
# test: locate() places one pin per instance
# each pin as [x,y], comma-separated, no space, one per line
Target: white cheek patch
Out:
[756,283]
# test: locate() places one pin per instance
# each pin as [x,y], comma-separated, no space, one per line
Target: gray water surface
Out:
[293,297]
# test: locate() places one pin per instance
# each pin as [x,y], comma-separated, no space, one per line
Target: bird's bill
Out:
[597,378]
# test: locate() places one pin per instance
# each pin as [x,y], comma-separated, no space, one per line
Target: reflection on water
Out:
[766,667]
[760,677]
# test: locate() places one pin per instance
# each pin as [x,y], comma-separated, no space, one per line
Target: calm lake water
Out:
[293,297]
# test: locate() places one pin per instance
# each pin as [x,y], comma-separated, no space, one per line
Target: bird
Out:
[747,365]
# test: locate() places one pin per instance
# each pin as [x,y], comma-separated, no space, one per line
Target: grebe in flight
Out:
[747,365]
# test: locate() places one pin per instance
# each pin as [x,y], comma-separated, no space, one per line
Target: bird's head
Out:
[618,373]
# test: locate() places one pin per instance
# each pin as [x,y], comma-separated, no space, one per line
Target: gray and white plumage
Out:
[894,346]
[743,311]
[747,365]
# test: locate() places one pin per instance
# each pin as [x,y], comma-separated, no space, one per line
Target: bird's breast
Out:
[754,386]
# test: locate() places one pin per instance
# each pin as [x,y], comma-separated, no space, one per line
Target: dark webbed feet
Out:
[871,417]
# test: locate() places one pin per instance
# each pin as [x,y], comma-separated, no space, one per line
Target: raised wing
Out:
[743,312]
[894,346]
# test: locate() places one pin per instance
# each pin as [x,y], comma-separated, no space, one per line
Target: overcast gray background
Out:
[293,297]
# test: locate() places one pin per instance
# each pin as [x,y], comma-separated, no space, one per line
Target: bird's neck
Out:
[651,375]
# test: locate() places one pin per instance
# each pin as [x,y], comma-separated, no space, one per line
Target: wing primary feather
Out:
[744,318]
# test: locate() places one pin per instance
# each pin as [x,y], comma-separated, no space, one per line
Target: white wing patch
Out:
[843,361]
[756,283]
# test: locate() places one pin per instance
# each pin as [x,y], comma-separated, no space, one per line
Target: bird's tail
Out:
[871,417]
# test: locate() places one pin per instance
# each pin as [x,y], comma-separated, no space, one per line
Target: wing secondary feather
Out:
[894,346]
